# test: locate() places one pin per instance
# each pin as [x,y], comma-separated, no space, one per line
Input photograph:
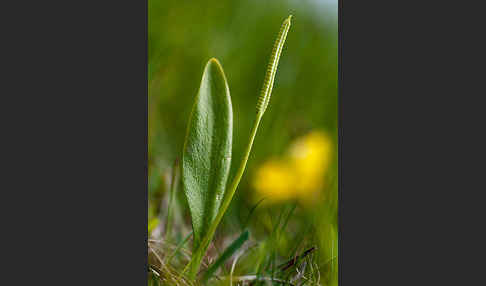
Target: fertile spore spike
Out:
[272,67]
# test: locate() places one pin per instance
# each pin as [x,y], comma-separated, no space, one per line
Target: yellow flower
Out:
[274,180]
[310,157]
[300,173]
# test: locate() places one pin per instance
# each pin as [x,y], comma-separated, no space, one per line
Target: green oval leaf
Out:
[207,149]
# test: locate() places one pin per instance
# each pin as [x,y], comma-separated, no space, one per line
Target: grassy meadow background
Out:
[293,164]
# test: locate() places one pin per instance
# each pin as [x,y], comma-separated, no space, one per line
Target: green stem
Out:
[198,255]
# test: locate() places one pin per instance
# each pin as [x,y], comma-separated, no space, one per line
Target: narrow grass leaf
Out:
[251,212]
[178,247]
[286,221]
[227,253]
[173,188]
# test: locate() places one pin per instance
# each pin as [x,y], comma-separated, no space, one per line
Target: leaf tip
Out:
[215,62]
[215,66]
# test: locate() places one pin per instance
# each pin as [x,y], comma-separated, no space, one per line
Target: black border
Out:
[75,198]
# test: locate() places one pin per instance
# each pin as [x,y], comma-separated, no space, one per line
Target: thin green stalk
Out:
[262,104]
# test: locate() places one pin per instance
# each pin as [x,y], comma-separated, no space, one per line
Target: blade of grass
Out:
[233,266]
[179,246]
[227,253]
[286,221]
[295,260]
[253,278]
[251,212]
[173,187]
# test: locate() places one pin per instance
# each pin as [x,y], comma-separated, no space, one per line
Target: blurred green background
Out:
[182,37]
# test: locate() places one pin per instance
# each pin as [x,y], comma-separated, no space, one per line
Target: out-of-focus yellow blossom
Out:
[300,173]
[274,181]
[310,157]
